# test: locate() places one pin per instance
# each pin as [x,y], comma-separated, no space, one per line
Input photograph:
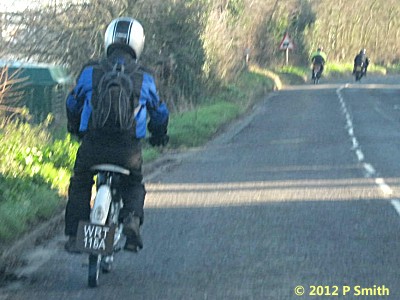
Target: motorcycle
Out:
[316,73]
[359,72]
[102,236]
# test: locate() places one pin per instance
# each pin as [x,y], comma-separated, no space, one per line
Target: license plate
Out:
[95,239]
[358,68]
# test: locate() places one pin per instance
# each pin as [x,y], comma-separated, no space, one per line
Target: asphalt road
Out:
[301,193]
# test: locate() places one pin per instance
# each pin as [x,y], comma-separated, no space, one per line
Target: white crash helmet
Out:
[124,31]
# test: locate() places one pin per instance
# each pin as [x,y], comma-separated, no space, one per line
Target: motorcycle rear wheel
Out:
[358,75]
[94,270]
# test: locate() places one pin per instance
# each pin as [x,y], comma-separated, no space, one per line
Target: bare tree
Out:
[62,32]
[11,93]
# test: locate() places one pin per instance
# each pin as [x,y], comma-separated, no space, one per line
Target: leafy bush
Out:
[29,152]
[34,174]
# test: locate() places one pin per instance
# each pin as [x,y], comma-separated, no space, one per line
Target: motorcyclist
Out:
[124,41]
[318,58]
[362,61]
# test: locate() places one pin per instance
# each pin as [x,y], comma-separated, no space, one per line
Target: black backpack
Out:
[117,101]
[360,60]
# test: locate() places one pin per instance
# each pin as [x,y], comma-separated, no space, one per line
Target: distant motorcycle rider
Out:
[318,58]
[361,60]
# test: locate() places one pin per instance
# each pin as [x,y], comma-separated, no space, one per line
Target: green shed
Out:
[45,88]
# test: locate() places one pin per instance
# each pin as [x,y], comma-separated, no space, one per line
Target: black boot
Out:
[70,246]
[132,232]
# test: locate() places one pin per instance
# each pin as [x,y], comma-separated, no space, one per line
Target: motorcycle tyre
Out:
[316,78]
[94,270]
[358,76]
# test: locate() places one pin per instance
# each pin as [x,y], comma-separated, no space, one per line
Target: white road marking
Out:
[396,205]
[355,143]
[387,191]
[360,155]
[370,170]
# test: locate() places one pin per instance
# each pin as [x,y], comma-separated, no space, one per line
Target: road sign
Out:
[286,43]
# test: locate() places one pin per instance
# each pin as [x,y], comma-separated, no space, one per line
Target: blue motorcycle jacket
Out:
[79,101]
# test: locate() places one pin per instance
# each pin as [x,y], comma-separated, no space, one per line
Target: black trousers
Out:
[97,148]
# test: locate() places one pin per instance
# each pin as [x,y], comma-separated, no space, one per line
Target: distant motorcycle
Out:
[316,73]
[359,72]
[102,236]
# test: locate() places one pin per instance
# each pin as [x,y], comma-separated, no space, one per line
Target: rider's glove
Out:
[159,140]
[158,132]
[73,122]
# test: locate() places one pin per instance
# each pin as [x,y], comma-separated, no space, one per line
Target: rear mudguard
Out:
[101,206]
